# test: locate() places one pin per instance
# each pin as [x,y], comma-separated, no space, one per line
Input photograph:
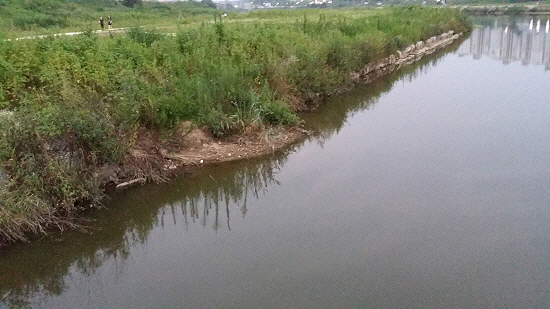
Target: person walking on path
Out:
[110,22]
[102,23]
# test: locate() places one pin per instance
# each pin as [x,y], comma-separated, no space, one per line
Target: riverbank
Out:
[190,146]
[156,158]
[498,10]
[113,110]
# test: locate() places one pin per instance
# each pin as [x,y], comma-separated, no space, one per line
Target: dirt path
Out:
[99,32]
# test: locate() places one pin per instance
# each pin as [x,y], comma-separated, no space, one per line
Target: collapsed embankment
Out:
[128,109]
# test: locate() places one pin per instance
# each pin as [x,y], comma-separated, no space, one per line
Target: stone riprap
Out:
[406,56]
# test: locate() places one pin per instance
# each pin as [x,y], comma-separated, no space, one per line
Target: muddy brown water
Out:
[426,189]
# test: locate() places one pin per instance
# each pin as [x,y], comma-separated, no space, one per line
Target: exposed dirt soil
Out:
[156,158]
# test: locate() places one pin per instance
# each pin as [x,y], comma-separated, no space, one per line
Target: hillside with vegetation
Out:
[72,105]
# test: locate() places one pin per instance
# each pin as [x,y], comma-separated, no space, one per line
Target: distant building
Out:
[509,43]
[234,4]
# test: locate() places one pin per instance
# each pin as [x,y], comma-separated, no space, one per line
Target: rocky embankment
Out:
[403,57]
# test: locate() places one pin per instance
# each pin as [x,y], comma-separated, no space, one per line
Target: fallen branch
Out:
[130,183]
[6,295]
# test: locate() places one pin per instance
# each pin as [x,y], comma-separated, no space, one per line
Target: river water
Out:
[428,188]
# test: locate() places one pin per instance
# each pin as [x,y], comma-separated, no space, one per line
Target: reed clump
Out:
[72,105]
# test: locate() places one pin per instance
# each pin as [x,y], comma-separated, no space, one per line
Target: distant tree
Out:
[131,3]
[209,3]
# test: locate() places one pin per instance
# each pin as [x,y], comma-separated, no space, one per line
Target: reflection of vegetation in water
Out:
[214,194]
[345,106]
[29,276]
[37,271]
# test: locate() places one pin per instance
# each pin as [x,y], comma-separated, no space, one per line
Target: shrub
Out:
[277,113]
[146,37]
[131,3]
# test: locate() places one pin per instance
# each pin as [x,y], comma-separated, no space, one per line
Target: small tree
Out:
[131,3]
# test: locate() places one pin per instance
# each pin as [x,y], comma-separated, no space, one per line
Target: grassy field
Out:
[70,105]
[20,18]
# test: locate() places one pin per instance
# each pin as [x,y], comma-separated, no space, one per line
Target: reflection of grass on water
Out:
[33,272]
[209,194]
[331,117]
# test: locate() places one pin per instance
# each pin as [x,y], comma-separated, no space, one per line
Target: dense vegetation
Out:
[70,105]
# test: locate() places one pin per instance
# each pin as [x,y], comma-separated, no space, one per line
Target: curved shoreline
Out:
[155,157]
[203,149]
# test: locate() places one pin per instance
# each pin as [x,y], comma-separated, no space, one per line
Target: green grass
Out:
[71,105]
[25,17]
